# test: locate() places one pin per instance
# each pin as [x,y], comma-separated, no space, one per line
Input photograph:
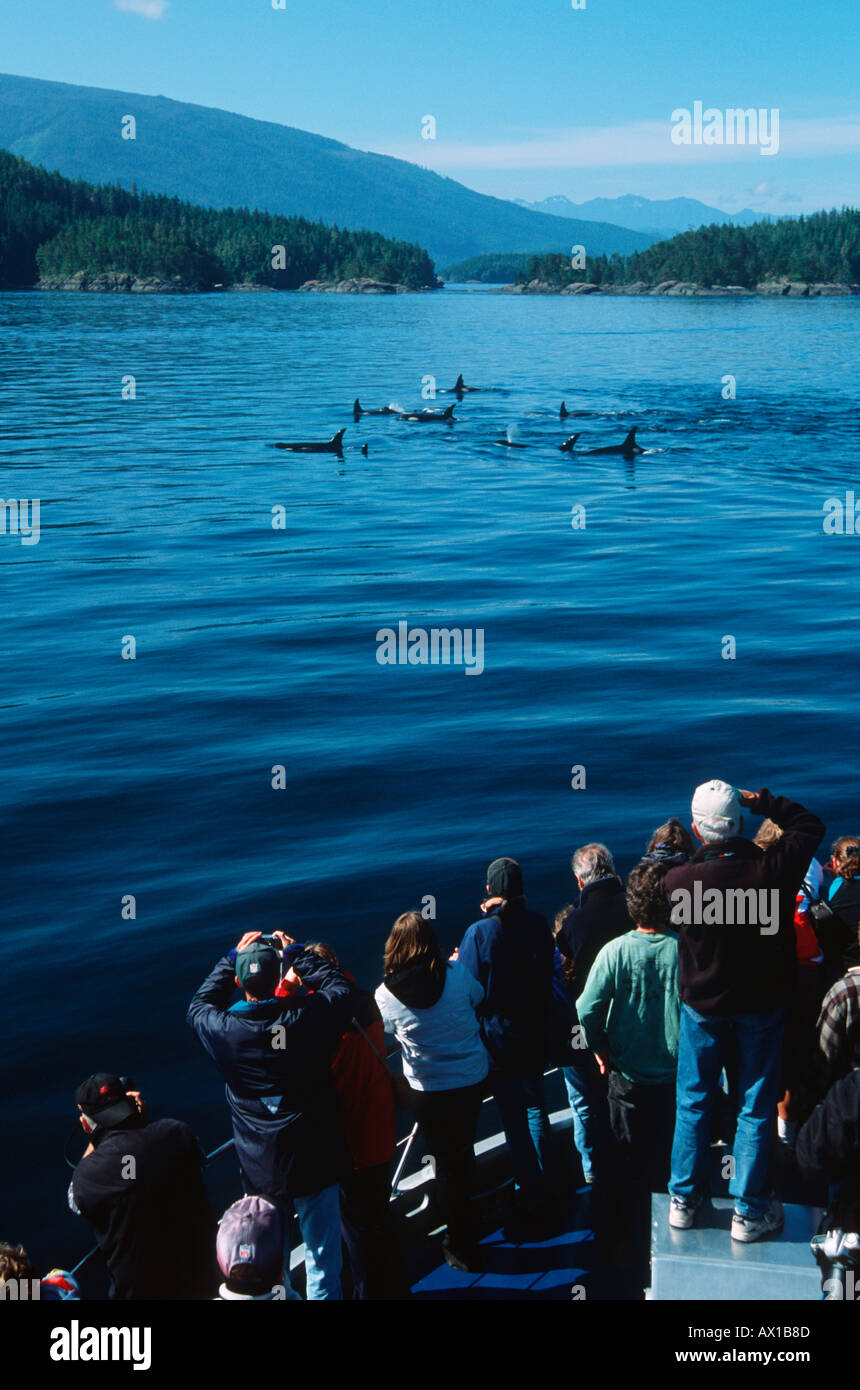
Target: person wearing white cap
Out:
[733,906]
[716,811]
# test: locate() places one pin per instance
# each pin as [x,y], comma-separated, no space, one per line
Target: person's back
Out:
[633,986]
[734,907]
[363,1084]
[436,1026]
[630,1016]
[275,1057]
[510,953]
[428,1003]
[600,917]
[581,932]
[511,956]
[142,1190]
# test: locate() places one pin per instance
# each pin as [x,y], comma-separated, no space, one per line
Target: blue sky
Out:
[530,99]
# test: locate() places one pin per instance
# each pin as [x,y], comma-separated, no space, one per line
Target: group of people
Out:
[722,980]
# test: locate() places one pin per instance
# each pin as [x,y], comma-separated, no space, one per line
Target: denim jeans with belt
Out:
[702,1044]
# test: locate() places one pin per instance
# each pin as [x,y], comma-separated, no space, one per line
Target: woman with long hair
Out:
[428,1004]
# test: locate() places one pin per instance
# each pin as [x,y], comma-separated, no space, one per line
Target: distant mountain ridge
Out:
[659,218]
[218,159]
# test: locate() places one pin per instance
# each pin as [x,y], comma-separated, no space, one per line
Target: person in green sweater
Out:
[630,1016]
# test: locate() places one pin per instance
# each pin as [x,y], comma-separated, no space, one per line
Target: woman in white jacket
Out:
[428,1004]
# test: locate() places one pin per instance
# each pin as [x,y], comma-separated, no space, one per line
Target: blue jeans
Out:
[319,1222]
[579,1083]
[525,1120]
[700,1060]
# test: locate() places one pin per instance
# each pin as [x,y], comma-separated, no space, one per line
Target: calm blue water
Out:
[256,647]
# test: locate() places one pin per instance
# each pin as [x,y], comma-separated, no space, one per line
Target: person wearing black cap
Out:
[510,952]
[140,1185]
[275,1057]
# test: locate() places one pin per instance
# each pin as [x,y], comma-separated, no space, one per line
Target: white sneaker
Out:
[748,1228]
[683,1213]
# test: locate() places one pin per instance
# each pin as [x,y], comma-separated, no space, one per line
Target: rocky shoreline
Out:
[768,289]
[362,285]
[120,282]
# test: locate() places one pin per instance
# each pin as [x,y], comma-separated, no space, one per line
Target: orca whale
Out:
[330,446]
[567,446]
[427,417]
[564,412]
[510,441]
[358,410]
[628,447]
[459,388]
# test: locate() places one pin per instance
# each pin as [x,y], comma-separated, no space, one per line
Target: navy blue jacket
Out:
[513,960]
[600,917]
[275,1056]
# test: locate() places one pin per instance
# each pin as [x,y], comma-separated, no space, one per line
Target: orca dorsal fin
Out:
[449,413]
[356,406]
[563,411]
[458,384]
[337,439]
[631,438]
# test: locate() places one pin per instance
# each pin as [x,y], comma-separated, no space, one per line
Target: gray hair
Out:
[591,862]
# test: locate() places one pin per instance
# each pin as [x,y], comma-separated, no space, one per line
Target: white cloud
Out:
[150,9]
[642,142]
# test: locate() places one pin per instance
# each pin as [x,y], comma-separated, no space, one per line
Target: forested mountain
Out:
[53,227]
[218,159]
[822,247]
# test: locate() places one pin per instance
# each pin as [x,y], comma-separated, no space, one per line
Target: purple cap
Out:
[251,1238]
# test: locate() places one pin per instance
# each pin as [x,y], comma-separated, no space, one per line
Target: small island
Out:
[794,258]
[61,234]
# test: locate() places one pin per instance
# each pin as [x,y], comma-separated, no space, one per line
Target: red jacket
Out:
[365,1089]
[363,1083]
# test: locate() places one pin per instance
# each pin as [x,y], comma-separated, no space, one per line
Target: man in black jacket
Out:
[275,1056]
[733,905]
[140,1185]
[581,933]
